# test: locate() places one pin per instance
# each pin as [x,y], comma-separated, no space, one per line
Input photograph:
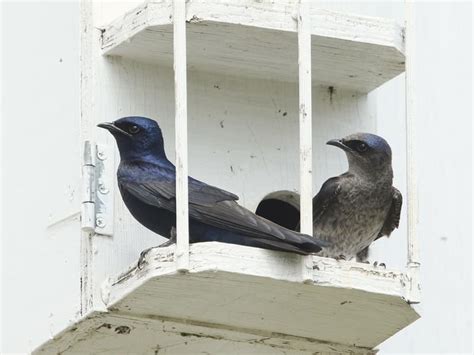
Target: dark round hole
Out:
[279,212]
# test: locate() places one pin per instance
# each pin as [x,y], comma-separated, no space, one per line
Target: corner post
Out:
[413,265]
[181,132]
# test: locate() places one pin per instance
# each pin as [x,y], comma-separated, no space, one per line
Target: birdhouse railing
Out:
[305,142]
[181,131]
[305,129]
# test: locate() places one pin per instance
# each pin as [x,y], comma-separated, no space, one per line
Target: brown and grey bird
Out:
[360,206]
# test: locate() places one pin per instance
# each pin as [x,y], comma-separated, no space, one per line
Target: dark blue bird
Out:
[146,180]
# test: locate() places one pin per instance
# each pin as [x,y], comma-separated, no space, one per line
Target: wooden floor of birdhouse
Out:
[237,299]
[259,40]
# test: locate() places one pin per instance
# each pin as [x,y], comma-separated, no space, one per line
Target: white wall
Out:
[40,171]
[443,84]
[41,94]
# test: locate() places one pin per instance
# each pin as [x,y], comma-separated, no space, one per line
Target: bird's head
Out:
[137,137]
[367,153]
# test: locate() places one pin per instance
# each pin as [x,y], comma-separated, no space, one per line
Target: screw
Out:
[102,188]
[101,155]
[100,222]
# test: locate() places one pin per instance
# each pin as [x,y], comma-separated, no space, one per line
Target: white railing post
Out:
[181,134]
[305,120]
[413,265]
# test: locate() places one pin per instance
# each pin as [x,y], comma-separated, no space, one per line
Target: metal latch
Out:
[97,192]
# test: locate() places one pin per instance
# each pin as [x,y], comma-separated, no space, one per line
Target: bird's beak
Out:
[111,127]
[339,143]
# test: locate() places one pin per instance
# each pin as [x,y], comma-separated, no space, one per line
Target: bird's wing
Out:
[215,207]
[325,197]
[157,186]
[393,218]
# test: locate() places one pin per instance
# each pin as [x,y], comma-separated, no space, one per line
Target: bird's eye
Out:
[133,129]
[362,147]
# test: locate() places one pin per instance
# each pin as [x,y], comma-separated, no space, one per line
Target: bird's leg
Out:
[141,259]
[172,240]
[340,257]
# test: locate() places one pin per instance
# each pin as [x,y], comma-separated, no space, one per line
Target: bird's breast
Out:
[355,219]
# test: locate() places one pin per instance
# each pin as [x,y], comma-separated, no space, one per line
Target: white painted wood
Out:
[305,126]
[258,40]
[347,304]
[115,333]
[41,172]
[87,61]
[305,117]
[181,131]
[413,264]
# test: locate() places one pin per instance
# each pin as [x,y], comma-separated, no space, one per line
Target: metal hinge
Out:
[97,192]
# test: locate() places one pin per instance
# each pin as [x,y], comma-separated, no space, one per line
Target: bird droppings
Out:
[252,156]
[345,302]
[122,329]
[217,87]
[232,169]
[352,76]
[104,325]
[285,113]
[194,19]
[444,239]
[315,267]
[60,60]
[221,123]
[184,334]
[331,92]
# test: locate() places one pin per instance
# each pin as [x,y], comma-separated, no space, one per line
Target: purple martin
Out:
[146,180]
[360,206]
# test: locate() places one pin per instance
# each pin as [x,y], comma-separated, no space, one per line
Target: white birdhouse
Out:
[247,93]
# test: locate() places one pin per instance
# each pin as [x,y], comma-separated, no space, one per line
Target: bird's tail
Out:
[308,246]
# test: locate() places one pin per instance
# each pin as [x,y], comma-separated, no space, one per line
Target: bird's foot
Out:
[170,241]
[340,257]
[141,259]
[365,262]
[167,243]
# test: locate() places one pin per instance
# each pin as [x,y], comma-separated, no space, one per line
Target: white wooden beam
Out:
[249,38]
[305,122]
[181,132]
[413,266]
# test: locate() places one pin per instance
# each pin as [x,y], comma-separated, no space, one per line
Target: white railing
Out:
[306,137]
[181,134]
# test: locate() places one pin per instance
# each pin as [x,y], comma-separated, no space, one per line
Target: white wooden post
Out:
[181,134]
[413,266]
[305,118]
